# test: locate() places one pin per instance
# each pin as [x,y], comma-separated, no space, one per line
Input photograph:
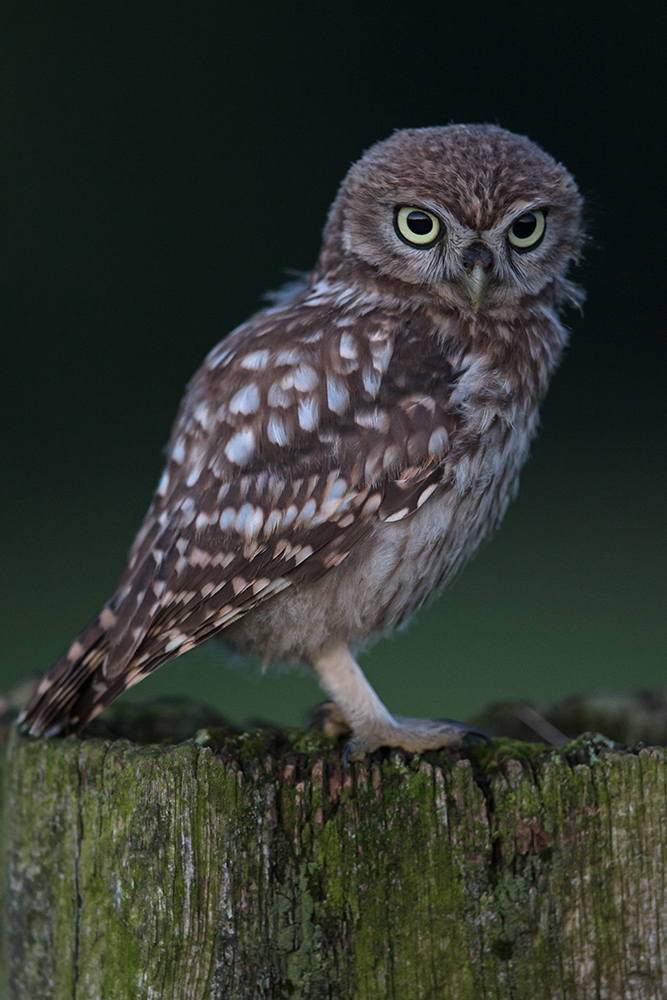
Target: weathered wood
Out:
[253,869]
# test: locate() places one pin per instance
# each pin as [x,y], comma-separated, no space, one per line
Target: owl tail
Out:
[76,689]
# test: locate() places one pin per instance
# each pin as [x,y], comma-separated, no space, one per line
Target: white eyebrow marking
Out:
[246,400]
[241,446]
[255,360]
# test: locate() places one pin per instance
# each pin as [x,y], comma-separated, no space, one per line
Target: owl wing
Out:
[292,443]
[283,457]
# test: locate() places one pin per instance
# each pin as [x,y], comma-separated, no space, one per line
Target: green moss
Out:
[586,749]
[311,742]
[257,866]
[491,757]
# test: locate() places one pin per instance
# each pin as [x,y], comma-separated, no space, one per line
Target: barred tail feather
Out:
[75,689]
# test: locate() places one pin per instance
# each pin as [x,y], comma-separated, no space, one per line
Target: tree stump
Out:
[256,867]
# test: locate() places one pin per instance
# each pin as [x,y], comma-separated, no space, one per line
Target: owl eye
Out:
[527,231]
[417,227]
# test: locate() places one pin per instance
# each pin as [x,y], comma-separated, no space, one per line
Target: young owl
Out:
[340,456]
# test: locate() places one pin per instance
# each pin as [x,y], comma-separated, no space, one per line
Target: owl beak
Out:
[476,283]
[477,260]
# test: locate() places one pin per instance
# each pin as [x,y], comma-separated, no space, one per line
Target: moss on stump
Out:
[255,867]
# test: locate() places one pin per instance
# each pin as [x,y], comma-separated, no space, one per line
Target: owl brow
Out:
[443,213]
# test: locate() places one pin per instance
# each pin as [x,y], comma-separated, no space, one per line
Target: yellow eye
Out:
[417,227]
[527,231]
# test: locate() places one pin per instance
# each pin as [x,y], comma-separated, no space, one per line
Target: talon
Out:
[329,717]
[466,730]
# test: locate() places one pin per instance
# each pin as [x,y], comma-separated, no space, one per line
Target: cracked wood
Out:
[259,872]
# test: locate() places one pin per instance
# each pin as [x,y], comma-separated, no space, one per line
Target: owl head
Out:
[472,217]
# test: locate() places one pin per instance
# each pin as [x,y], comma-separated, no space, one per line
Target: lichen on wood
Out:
[256,866]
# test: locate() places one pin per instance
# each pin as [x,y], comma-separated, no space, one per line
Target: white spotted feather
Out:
[338,457]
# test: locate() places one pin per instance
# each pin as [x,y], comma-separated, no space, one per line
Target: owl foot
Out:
[413,735]
[355,708]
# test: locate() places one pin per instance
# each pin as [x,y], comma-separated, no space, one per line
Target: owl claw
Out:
[329,718]
[466,731]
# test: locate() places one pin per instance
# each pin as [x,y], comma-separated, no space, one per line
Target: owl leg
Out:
[372,724]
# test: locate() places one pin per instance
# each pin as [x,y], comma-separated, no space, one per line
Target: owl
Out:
[339,457]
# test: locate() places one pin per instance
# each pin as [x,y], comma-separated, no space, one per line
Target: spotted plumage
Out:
[339,456]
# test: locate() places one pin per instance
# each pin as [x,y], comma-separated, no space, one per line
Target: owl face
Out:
[474,217]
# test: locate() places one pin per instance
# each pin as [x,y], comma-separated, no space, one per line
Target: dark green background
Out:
[161,165]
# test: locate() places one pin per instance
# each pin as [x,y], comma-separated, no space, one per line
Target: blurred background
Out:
[162,164]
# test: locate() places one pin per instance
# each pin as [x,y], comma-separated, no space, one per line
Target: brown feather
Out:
[372,398]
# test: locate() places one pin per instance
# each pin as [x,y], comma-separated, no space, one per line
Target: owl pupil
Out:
[525,226]
[419,223]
